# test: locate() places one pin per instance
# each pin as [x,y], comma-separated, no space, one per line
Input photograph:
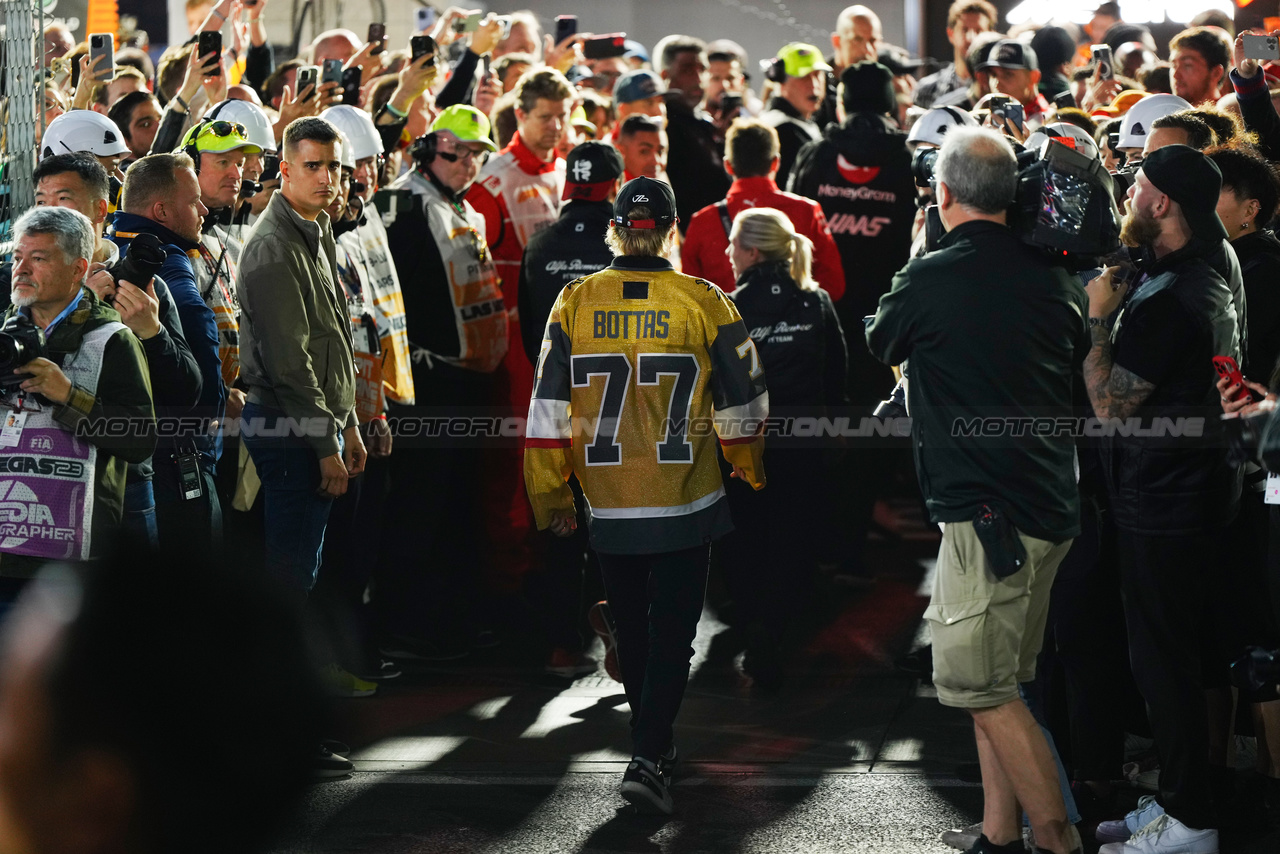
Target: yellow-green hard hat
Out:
[798,59]
[466,123]
[217,136]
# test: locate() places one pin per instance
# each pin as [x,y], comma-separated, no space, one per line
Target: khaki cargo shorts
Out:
[987,631]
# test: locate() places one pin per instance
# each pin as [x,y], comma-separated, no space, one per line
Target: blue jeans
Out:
[140,512]
[295,513]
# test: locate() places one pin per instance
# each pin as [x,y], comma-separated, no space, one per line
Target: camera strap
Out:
[215,267]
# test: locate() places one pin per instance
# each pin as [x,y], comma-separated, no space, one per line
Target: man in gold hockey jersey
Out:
[641,370]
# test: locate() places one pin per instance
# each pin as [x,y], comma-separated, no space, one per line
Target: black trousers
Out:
[183,523]
[770,557]
[1165,583]
[432,549]
[1087,638]
[656,601]
[555,586]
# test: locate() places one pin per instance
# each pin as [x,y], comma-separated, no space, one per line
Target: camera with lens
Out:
[20,342]
[140,263]
[1253,438]
[895,405]
[923,164]
[1124,179]
[1257,669]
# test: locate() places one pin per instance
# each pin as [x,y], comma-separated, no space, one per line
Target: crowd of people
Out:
[289,312]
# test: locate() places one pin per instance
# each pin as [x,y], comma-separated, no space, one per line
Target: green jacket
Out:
[995,335]
[296,354]
[124,395]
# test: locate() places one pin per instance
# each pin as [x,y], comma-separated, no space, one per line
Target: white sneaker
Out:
[1147,811]
[1166,835]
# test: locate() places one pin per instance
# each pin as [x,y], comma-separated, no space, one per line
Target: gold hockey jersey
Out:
[642,370]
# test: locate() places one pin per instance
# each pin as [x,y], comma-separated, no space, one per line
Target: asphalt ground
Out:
[848,755]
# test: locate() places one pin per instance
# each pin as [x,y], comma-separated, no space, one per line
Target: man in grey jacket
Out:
[296,357]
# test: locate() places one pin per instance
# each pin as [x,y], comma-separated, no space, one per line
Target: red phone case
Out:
[1227,367]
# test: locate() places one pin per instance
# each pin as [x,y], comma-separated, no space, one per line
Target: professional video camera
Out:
[141,262]
[1064,205]
[1253,438]
[1256,669]
[20,342]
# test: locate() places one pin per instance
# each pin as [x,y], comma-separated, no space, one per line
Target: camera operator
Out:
[83,368]
[1012,501]
[161,198]
[78,182]
[1170,502]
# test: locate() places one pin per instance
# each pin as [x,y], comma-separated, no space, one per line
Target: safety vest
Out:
[214,262]
[388,307]
[47,481]
[365,341]
[467,271]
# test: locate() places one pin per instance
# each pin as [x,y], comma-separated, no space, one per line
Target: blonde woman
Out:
[772,552]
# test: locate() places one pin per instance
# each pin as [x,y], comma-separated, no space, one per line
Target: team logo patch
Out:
[856,174]
[582,171]
[639,198]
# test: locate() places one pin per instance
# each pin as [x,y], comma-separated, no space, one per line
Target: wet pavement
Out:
[849,755]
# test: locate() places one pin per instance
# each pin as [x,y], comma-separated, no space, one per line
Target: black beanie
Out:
[868,87]
[1053,46]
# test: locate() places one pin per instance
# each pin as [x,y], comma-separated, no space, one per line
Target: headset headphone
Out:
[190,148]
[423,149]
[776,70]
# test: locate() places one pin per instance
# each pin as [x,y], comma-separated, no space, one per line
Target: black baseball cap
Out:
[590,171]
[654,195]
[1193,181]
[1011,53]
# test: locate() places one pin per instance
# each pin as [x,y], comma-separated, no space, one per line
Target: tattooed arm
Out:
[1114,391]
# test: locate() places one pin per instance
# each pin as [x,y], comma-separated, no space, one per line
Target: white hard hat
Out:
[348,158]
[358,127]
[257,126]
[934,124]
[1137,122]
[1084,143]
[82,130]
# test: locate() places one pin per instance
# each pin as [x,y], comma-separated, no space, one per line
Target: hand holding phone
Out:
[1228,370]
[377,37]
[332,72]
[605,47]
[1261,48]
[469,24]
[308,75]
[351,86]
[420,46]
[1105,65]
[566,27]
[103,45]
[210,41]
